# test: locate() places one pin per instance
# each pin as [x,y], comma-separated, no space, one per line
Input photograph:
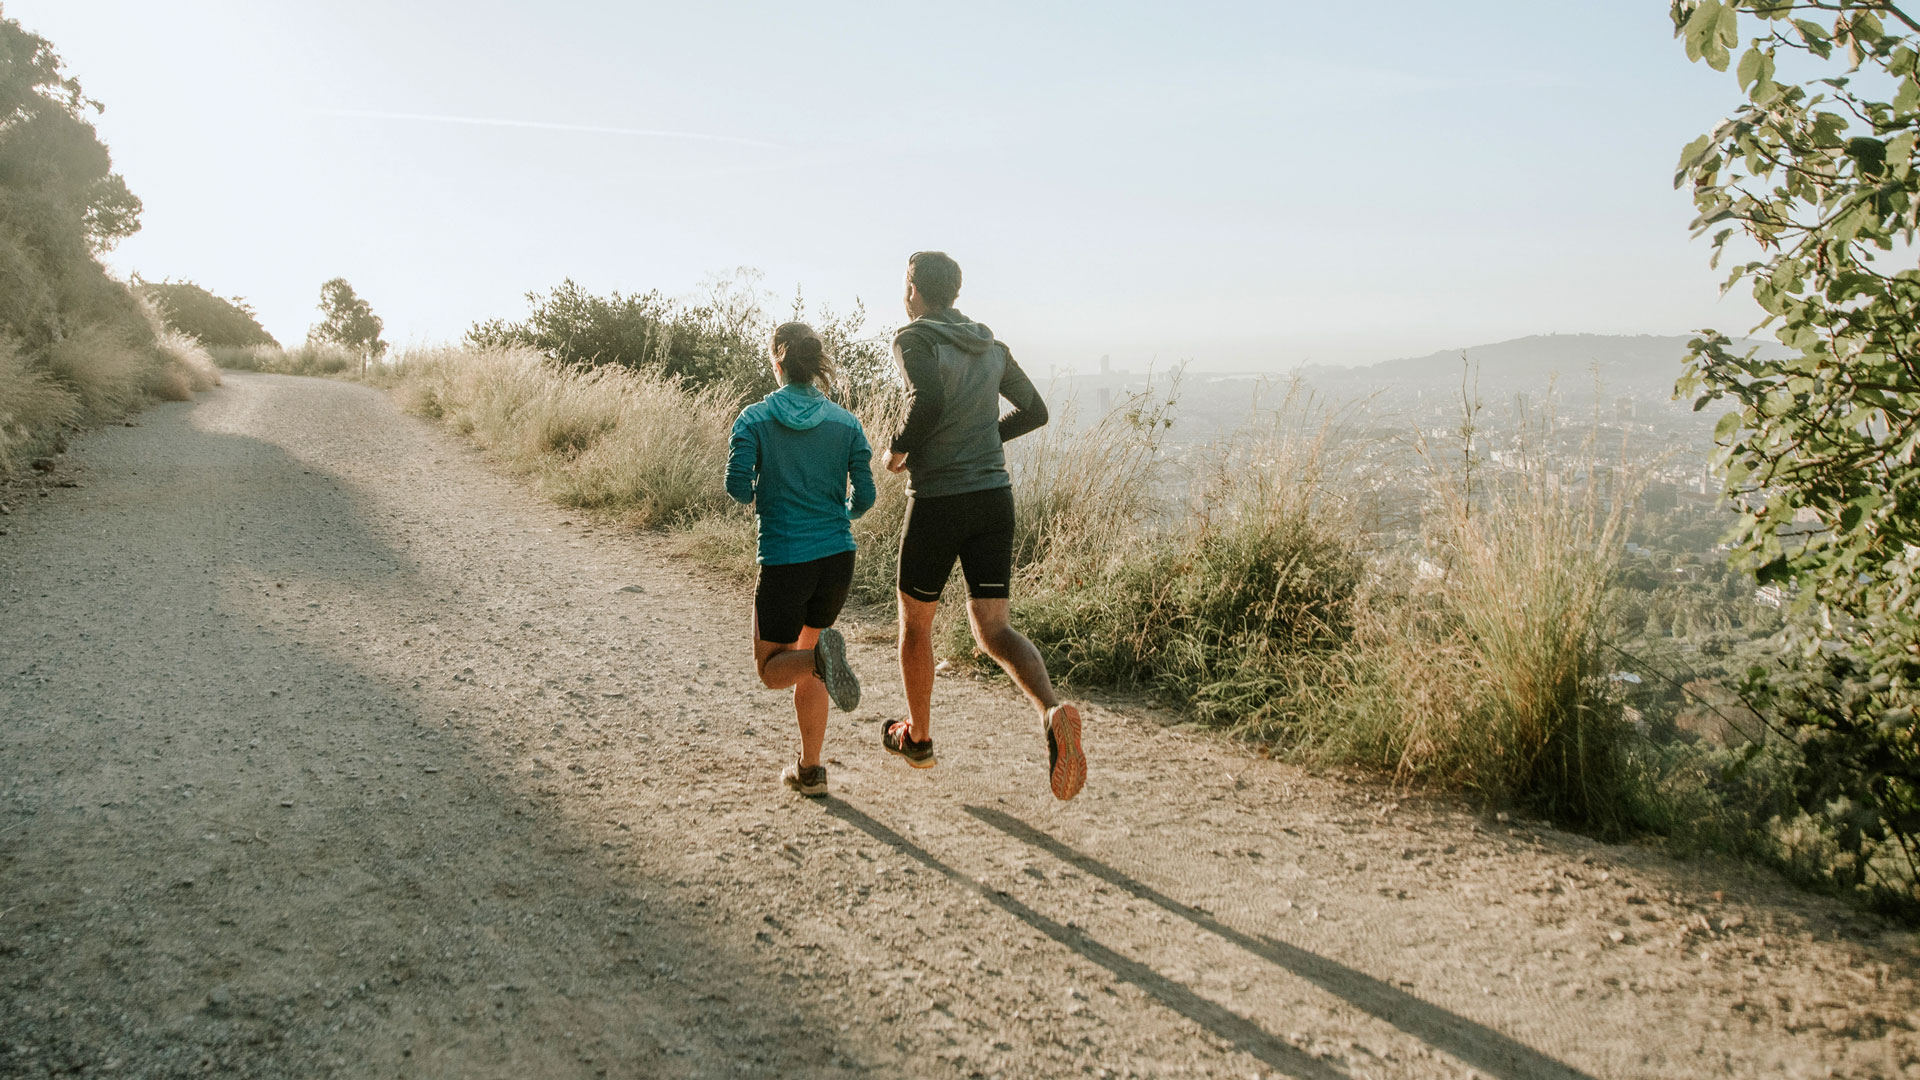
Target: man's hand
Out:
[896,461]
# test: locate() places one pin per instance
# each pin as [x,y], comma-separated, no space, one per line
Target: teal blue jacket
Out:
[792,456]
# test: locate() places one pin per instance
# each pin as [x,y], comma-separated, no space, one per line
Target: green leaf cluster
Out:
[1811,190]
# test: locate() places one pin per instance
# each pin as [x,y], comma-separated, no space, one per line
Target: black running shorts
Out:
[793,595]
[976,528]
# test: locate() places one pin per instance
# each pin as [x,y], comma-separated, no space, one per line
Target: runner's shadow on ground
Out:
[1223,1022]
[1473,1043]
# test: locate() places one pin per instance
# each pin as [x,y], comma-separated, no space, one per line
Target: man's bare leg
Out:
[916,662]
[993,631]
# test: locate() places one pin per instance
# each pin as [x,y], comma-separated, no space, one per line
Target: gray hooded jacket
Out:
[956,374]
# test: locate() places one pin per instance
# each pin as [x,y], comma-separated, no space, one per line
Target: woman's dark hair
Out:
[935,276]
[802,355]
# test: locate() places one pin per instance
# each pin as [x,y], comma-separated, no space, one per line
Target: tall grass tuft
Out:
[108,374]
[1490,674]
[100,372]
[189,361]
[33,408]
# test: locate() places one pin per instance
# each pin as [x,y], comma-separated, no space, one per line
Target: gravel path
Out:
[327,750]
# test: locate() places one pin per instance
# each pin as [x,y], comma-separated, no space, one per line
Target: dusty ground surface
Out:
[325,750]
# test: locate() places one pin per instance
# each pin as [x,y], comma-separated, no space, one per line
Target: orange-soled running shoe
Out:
[1066,764]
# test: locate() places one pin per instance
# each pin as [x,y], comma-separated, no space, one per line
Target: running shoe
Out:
[830,663]
[811,782]
[897,737]
[1066,764]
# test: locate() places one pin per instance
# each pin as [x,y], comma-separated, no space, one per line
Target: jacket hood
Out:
[798,406]
[952,328]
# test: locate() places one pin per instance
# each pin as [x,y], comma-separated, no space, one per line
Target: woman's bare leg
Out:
[783,665]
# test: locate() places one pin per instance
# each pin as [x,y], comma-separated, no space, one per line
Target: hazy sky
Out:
[1241,185]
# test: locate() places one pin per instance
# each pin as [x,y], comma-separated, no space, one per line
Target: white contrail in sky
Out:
[542,125]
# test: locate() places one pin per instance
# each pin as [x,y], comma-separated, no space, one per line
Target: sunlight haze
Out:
[1242,186]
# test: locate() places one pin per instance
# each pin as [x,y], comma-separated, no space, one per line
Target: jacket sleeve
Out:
[1029,411]
[743,461]
[860,471]
[920,370]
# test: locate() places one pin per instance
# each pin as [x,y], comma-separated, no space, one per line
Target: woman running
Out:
[792,456]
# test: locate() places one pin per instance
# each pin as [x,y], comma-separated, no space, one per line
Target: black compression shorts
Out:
[793,595]
[976,528]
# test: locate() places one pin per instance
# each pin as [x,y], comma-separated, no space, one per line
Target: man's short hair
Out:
[935,276]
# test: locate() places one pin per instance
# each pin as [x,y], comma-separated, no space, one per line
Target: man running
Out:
[960,506]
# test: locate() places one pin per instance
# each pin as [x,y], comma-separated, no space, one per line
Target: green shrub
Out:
[720,337]
[213,321]
[1224,601]
[1814,168]
[1854,764]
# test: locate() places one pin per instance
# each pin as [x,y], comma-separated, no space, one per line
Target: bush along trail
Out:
[326,750]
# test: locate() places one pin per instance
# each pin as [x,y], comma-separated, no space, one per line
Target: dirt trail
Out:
[326,750]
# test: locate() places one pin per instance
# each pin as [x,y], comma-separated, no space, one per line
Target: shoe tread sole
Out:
[1069,773]
[843,686]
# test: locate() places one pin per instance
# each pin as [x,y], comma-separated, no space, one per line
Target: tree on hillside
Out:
[61,203]
[49,145]
[211,320]
[346,319]
[1817,184]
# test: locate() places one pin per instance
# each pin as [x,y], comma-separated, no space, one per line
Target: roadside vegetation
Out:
[1815,180]
[345,340]
[77,346]
[216,322]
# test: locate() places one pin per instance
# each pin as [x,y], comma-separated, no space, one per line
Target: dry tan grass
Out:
[1078,491]
[1225,586]
[189,360]
[34,409]
[628,445]
[1492,675]
[108,374]
[308,358]
[169,382]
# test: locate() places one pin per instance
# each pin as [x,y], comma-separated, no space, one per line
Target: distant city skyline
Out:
[1239,186]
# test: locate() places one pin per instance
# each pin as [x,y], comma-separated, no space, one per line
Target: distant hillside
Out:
[1637,364]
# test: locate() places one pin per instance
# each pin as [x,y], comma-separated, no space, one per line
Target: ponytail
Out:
[802,355]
